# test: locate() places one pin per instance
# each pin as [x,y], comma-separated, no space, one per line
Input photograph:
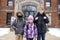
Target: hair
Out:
[30,17]
[44,14]
[38,13]
[19,13]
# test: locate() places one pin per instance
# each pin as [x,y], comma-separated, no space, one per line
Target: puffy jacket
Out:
[41,22]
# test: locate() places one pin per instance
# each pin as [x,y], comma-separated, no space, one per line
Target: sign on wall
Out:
[12,19]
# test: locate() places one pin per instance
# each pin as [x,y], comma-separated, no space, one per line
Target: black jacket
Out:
[18,25]
[41,22]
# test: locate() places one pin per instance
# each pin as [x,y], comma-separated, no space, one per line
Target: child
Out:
[18,26]
[30,30]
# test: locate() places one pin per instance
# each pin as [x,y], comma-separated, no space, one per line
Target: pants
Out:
[29,38]
[19,37]
[42,35]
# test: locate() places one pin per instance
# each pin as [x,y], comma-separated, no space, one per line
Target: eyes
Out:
[30,19]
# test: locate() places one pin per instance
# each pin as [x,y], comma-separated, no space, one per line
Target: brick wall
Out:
[53,10]
[4,5]
[2,19]
[3,12]
[55,20]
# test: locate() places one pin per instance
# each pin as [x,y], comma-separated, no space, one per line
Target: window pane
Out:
[24,8]
[47,4]
[48,0]
[59,4]
[25,18]
[0,2]
[9,18]
[59,16]
[9,0]
[32,13]
[10,3]
[29,8]
[26,14]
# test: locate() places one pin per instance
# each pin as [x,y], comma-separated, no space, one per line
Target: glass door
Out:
[29,10]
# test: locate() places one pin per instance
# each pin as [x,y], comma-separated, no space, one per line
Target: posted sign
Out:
[12,19]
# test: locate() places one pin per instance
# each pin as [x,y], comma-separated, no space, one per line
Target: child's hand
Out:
[36,18]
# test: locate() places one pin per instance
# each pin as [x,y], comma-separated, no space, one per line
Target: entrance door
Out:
[29,10]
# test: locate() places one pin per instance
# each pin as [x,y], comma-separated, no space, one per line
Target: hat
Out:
[19,14]
[30,17]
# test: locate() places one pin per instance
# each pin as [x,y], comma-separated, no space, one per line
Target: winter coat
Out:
[18,26]
[41,23]
[30,31]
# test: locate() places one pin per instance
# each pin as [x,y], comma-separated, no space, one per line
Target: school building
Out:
[9,8]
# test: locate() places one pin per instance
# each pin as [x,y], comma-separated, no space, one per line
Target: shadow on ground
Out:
[11,36]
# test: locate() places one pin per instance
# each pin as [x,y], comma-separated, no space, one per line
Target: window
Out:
[10,3]
[59,16]
[59,4]
[28,10]
[48,3]
[0,2]
[9,18]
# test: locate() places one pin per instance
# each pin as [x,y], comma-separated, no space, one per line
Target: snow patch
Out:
[54,31]
[4,31]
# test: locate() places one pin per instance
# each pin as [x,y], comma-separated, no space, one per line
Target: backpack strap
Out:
[27,30]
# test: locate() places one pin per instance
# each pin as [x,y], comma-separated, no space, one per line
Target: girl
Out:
[30,30]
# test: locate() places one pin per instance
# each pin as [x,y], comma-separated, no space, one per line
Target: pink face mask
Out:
[30,20]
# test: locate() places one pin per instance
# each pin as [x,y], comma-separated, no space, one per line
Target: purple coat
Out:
[31,32]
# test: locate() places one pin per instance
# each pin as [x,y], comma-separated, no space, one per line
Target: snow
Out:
[54,31]
[4,31]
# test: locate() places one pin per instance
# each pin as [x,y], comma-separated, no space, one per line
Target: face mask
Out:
[19,16]
[41,11]
[30,20]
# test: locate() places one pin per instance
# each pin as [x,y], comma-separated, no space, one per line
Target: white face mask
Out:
[41,11]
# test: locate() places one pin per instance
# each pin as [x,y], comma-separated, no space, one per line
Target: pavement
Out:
[11,36]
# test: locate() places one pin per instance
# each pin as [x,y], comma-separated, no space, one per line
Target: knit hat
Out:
[30,17]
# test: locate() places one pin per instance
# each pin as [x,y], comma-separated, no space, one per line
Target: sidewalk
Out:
[11,36]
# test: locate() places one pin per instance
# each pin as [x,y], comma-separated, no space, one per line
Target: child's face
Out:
[30,20]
